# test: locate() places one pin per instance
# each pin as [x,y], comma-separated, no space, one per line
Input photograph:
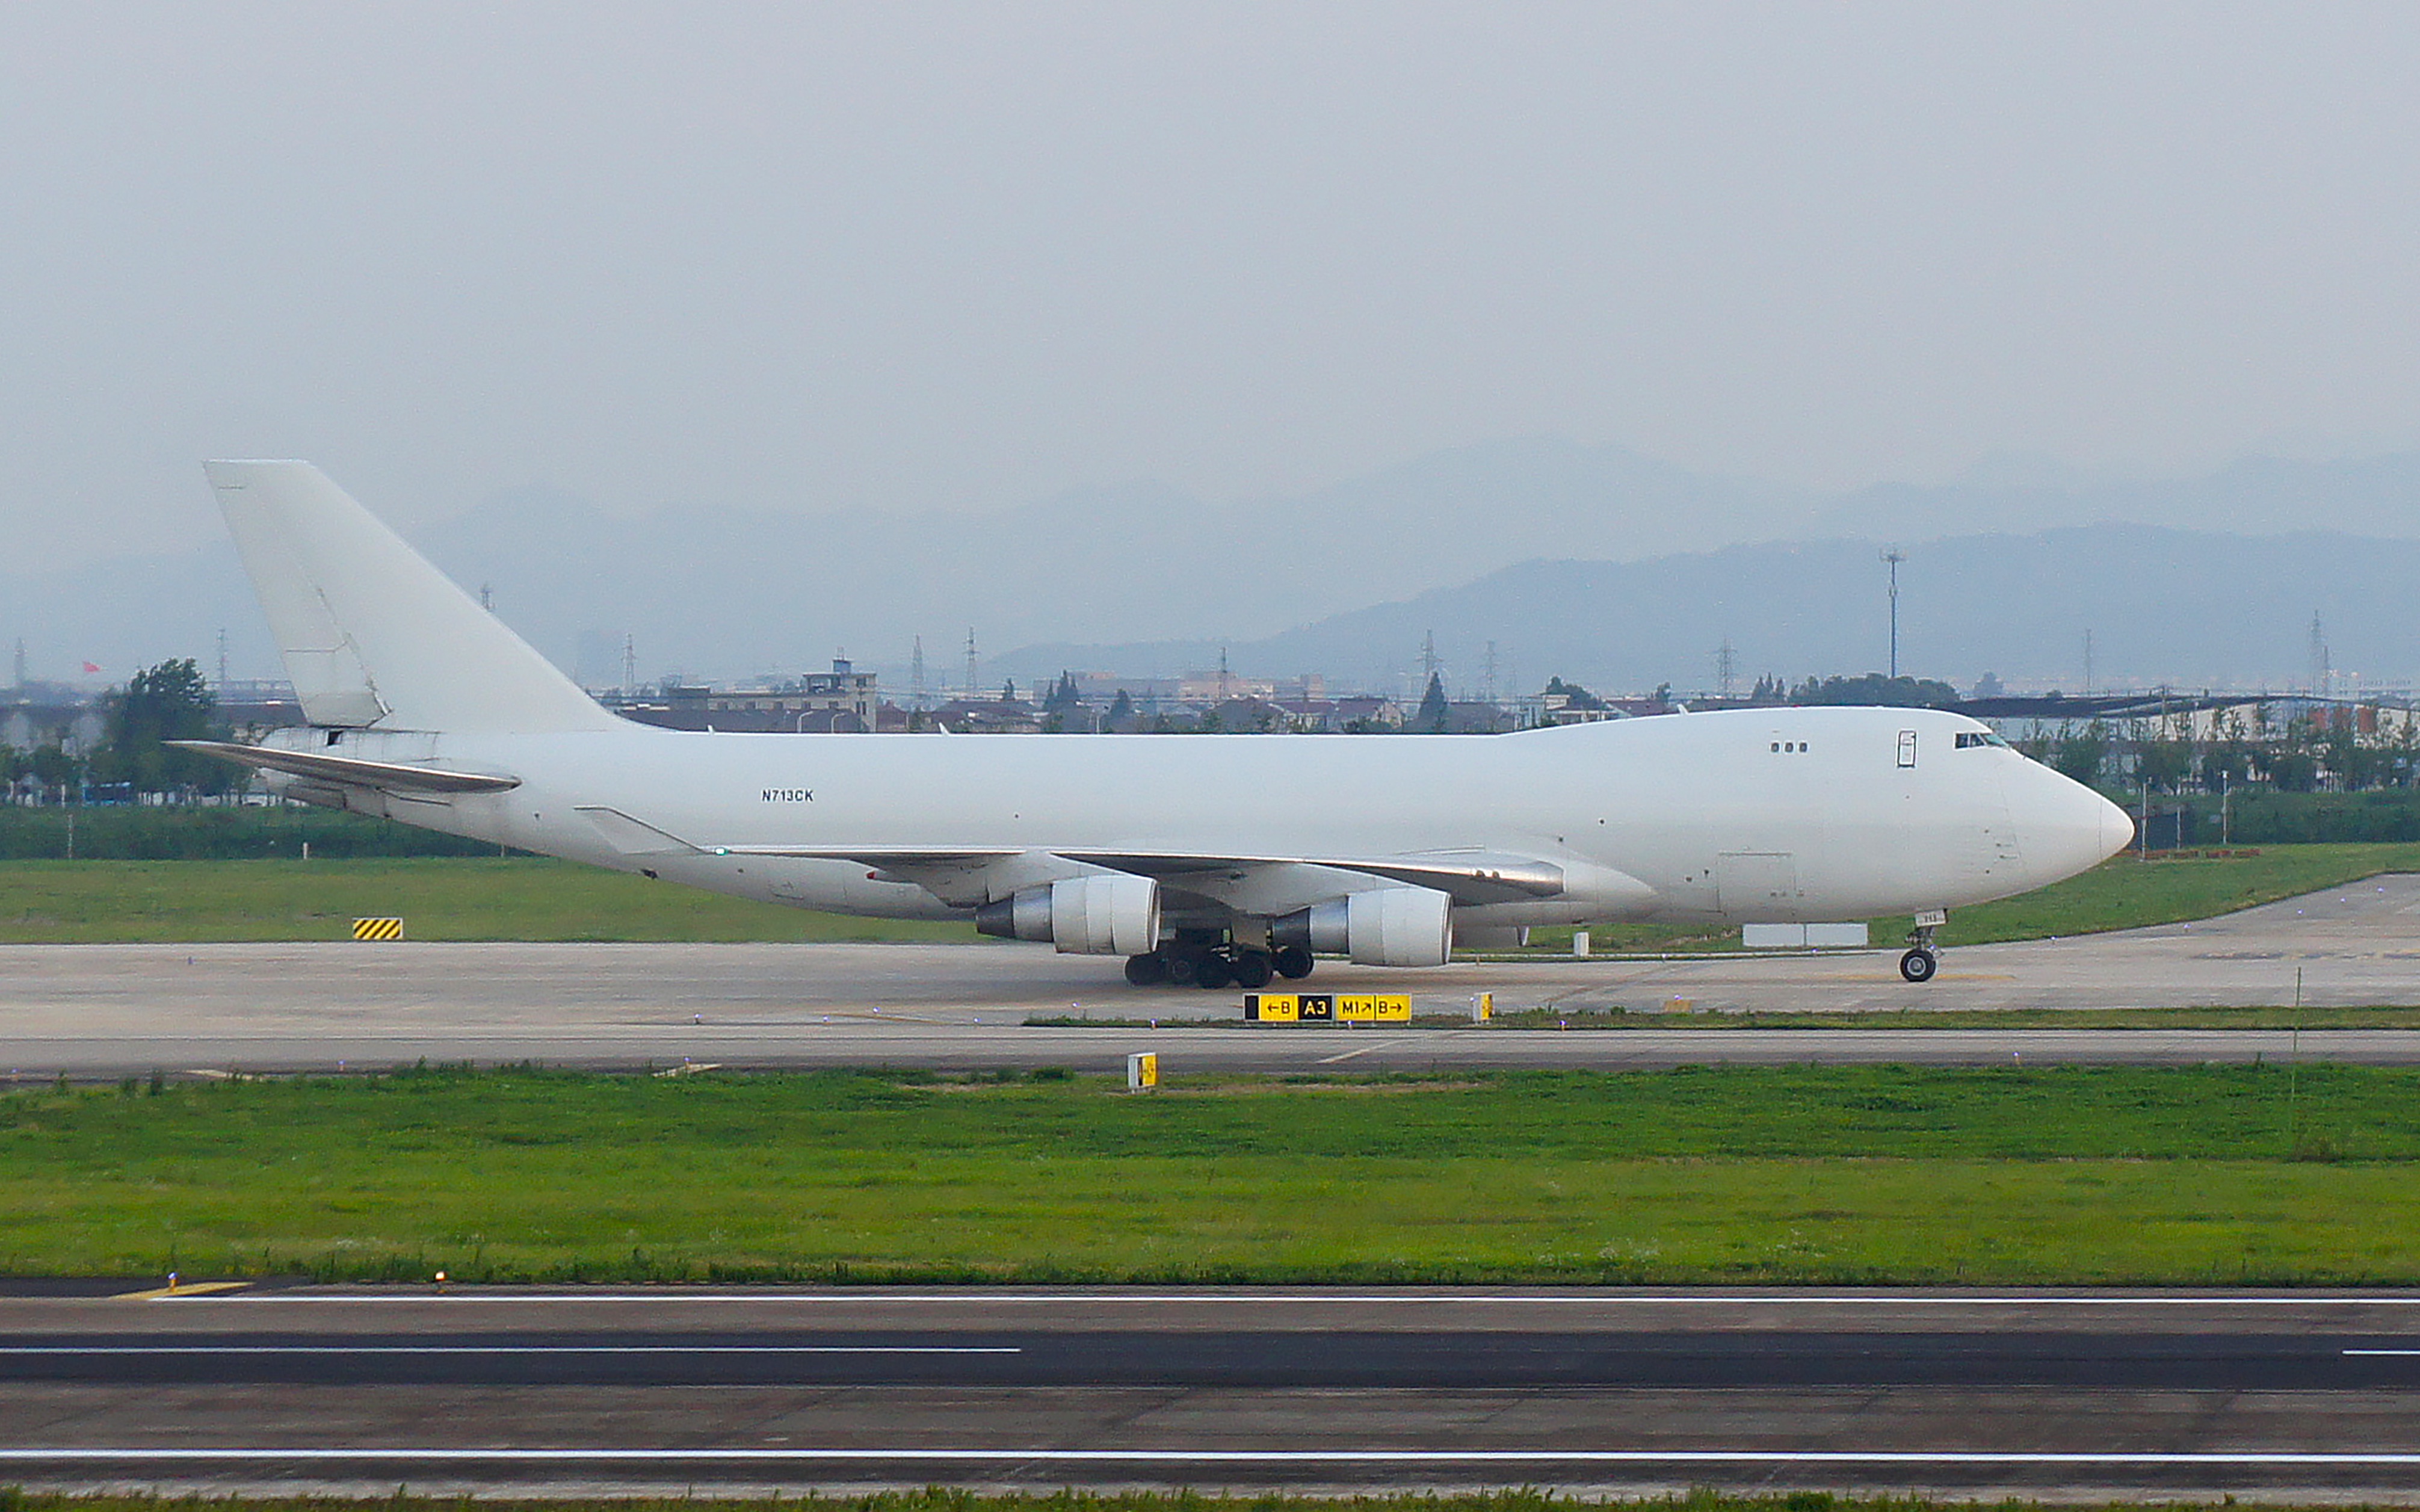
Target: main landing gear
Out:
[1922,960]
[1216,964]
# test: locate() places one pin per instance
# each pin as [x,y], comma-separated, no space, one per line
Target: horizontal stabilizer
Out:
[348,771]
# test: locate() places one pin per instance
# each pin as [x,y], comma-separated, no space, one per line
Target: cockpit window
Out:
[1979,737]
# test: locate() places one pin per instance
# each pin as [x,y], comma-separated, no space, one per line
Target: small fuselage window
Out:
[1979,737]
[1790,747]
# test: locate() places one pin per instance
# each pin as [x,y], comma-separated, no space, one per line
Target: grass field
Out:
[942,1499]
[2123,893]
[1811,1175]
[523,898]
[1892,1019]
[493,898]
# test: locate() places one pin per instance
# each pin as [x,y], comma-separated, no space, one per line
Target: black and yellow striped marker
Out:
[378,929]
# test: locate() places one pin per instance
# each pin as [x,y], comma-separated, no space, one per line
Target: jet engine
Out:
[1381,927]
[1081,916]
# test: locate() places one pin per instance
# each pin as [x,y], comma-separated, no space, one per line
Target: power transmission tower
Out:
[1429,662]
[973,692]
[1894,556]
[629,665]
[1222,674]
[2320,668]
[916,677]
[1491,672]
[221,664]
[487,599]
[1727,667]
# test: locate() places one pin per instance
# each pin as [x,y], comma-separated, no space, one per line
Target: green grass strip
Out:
[493,898]
[945,1499]
[525,898]
[2122,893]
[2217,1175]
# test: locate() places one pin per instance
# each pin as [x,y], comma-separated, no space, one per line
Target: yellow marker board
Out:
[1272,1007]
[378,929]
[1327,1008]
[1375,1008]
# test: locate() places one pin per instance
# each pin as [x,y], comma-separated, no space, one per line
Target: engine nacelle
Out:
[1081,916]
[1381,927]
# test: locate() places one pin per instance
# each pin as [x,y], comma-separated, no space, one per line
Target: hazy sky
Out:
[915,256]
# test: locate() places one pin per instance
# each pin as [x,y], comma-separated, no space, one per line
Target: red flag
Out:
[90,668]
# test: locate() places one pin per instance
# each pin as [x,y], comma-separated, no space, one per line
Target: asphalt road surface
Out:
[108,1010]
[1965,1393]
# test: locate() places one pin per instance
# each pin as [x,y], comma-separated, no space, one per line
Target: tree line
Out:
[157,704]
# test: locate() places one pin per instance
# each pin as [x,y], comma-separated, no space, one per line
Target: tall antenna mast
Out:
[1894,556]
[972,691]
[916,676]
[629,665]
[221,664]
[1727,667]
[1429,662]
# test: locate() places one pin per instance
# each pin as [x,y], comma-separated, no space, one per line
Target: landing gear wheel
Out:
[1253,970]
[1182,967]
[1293,962]
[1213,972]
[1148,970]
[1918,966]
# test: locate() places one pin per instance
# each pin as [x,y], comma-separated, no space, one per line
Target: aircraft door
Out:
[1907,749]
[1756,884]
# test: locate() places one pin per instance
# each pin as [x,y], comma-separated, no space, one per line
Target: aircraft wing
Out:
[350,771]
[1469,877]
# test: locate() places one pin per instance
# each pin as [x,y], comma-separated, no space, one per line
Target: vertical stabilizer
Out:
[371,633]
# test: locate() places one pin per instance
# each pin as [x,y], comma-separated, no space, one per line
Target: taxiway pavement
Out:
[1249,1389]
[106,1011]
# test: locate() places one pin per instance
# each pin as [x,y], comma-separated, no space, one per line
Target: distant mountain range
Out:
[2188,608]
[1591,561]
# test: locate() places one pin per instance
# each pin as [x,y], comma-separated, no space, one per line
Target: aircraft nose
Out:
[2065,827]
[2117,828]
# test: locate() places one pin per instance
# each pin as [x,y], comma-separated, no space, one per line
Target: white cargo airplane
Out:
[1206,861]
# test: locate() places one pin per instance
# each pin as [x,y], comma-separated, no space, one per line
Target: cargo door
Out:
[1756,883]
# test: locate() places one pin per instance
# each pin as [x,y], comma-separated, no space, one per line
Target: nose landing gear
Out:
[1922,960]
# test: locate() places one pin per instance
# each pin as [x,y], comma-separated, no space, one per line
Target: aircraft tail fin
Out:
[372,634]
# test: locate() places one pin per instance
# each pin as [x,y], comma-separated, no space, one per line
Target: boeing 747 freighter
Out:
[1199,860]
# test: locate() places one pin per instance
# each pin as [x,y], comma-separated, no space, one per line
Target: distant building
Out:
[74,727]
[841,701]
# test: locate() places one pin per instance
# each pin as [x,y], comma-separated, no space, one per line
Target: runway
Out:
[111,1011]
[1954,1392]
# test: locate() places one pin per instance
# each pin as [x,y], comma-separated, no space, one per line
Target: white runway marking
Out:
[205,1347]
[1383,1044]
[1221,1456]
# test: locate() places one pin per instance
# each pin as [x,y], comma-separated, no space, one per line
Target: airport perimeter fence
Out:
[213,833]
[2257,817]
